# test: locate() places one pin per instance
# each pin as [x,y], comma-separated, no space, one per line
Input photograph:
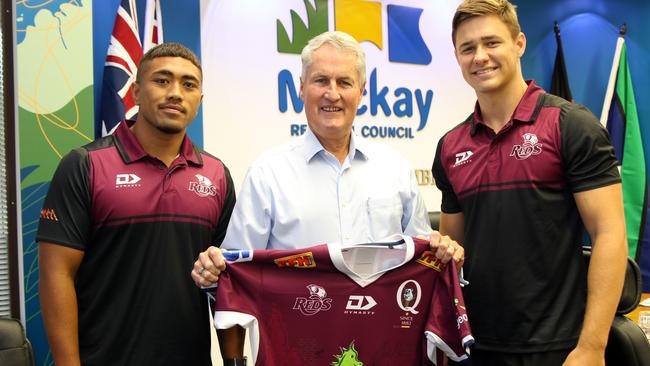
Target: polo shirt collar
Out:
[311,146]
[525,112]
[131,151]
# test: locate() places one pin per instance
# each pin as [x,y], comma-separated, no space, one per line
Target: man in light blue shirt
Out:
[328,185]
[300,194]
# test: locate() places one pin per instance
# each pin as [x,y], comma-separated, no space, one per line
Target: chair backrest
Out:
[15,349]
[627,343]
[434,218]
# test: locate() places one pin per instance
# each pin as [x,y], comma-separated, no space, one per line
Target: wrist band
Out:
[234,361]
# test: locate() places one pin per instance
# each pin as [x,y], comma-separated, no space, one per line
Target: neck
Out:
[163,146]
[497,107]
[339,147]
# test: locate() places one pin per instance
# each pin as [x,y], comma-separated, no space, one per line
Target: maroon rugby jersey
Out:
[375,303]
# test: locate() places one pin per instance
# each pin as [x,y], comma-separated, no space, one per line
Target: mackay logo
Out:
[302,260]
[531,146]
[316,302]
[203,186]
[429,259]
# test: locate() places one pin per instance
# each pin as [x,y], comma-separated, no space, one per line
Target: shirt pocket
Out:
[384,216]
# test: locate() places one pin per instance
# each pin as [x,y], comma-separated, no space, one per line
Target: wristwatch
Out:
[234,361]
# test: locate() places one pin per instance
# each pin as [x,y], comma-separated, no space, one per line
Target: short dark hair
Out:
[169,49]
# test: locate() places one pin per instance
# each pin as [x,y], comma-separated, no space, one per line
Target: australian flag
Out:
[122,59]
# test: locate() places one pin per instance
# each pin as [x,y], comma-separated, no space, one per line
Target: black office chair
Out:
[15,349]
[434,218]
[627,344]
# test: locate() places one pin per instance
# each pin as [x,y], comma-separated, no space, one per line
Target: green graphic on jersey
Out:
[348,357]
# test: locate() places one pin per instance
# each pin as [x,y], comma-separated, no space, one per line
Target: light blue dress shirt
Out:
[299,194]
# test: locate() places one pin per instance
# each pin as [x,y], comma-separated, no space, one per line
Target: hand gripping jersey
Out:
[370,304]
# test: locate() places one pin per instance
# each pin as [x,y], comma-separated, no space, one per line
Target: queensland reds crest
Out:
[203,186]
[531,146]
[317,301]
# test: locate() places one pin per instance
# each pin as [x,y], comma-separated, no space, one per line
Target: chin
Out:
[170,129]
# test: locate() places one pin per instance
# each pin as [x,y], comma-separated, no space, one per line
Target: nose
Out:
[174,91]
[480,56]
[332,93]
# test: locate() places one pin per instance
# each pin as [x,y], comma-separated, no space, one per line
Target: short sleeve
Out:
[448,328]
[587,152]
[66,216]
[450,202]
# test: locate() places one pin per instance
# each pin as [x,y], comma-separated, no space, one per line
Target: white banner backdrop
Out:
[414,90]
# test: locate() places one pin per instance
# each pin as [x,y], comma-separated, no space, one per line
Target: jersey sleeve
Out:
[448,328]
[237,291]
[66,215]
[587,152]
[450,202]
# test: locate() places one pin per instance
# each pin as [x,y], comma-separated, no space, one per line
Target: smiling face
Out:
[488,55]
[168,93]
[332,92]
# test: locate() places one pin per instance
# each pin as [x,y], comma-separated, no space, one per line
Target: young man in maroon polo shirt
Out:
[124,218]
[521,178]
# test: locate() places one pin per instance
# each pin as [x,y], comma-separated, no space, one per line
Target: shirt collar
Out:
[130,149]
[525,112]
[311,146]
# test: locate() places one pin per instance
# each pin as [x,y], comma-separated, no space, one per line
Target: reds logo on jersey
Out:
[531,146]
[203,187]
[317,301]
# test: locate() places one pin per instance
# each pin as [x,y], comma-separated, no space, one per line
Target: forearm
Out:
[605,284]
[59,311]
[231,342]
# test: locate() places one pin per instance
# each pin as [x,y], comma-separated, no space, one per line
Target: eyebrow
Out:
[166,72]
[483,39]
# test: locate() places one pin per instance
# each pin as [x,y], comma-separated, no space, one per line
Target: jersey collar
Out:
[131,151]
[526,111]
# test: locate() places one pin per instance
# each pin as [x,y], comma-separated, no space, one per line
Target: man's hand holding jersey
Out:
[208,267]
[446,249]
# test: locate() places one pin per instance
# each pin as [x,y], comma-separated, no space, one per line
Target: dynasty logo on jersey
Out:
[317,301]
[128,180]
[302,260]
[348,357]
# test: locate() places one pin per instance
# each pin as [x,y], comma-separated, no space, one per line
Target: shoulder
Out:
[277,156]
[384,154]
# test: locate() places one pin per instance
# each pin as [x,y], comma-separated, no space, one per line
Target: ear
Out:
[363,86]
[136,92]
[520,42]
[302,84]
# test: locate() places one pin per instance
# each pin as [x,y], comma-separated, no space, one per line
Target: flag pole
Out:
[612,76]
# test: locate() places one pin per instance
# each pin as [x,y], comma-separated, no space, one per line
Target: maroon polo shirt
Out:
[140,225]
[523,232]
